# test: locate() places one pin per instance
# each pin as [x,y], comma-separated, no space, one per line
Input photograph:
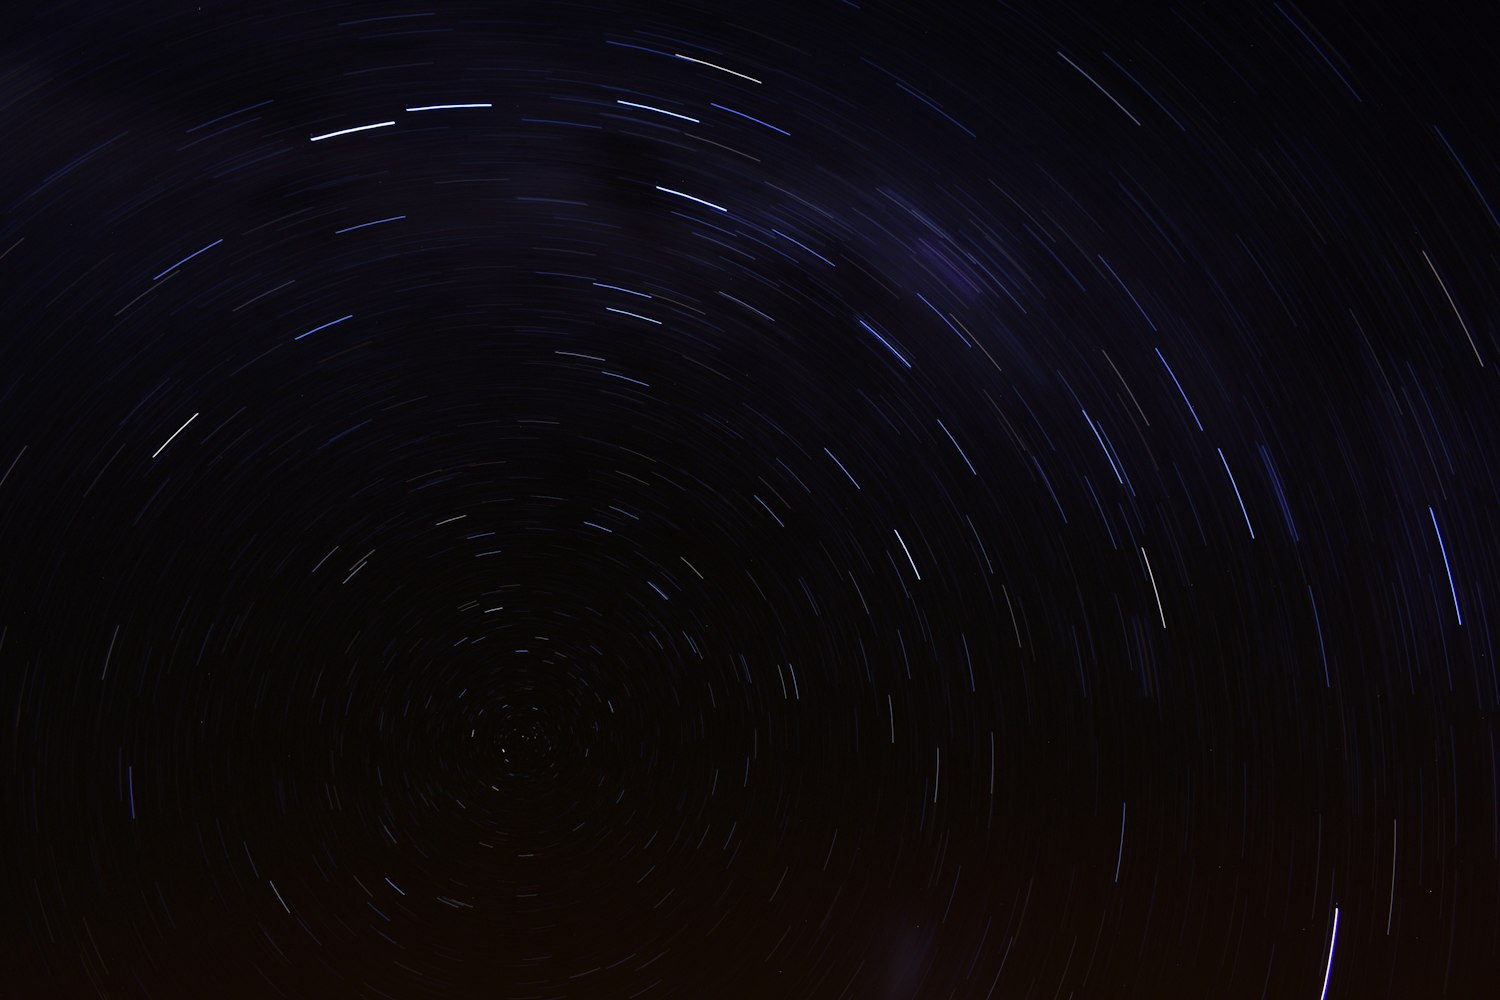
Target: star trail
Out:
[815,500]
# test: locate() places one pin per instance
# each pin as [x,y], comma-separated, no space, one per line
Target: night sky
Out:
[734,500]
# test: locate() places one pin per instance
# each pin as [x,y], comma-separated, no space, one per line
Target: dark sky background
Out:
[810,500]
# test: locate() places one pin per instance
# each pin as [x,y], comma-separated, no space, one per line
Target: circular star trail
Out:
[812,500]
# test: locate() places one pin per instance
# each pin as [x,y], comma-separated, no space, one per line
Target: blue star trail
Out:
[823,499]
